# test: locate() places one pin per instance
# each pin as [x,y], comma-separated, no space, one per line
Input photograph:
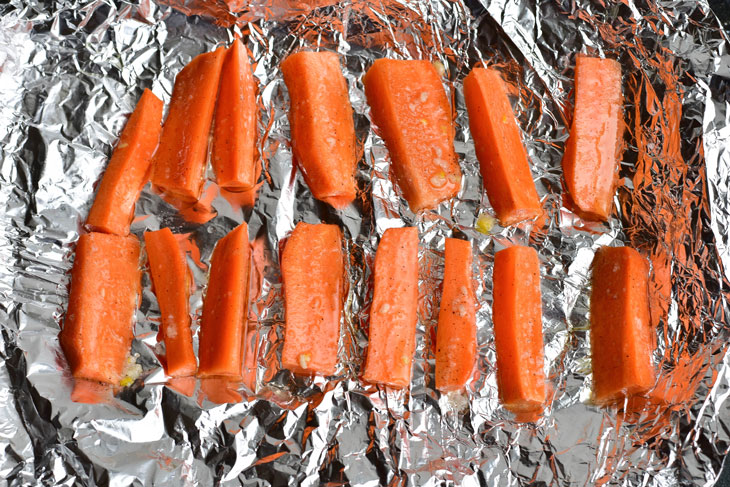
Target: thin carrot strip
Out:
[128,170]
[313,269]
[171,281]
[393,318]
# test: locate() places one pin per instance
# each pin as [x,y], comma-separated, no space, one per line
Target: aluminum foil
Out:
[72,70]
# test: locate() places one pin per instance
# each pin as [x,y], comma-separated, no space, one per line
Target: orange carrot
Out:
[99,324]
[409,106]
[234,156]
[591,155]
[171,280]
[322,127]
[180,160]
[517,315]
[393,318]
[225,308]
[313,270]
[456,335]
[502,157]
[620,331]
[128,169]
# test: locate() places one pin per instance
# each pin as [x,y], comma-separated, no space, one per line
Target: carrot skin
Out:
[322,127]
[225,307]
[456,335]
[502,157]
[410,107]
[170,278]
[234,154]
[393,319]
[313,269]
[105,286]
[179,164]
[128,169]
[592,152]
[621,339]
[517,315]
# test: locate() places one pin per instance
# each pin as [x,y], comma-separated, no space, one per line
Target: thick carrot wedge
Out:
[225,308]
[591,155]
[128,169]
[621,342]
[313,269]
[393,318]
[234,156]
[456,335]
[171,280]
[409,106]
[502,157]
[322,127]
[105,286]
[181,157]
[517,315]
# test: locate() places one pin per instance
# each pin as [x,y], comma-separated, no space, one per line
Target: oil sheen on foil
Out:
[70,73]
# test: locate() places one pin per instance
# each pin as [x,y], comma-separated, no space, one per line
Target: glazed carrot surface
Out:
[171,281]
[322,127]
[392,336]
[105,286]
[621,339]
[225,307]
[234,154]
[517,316]
[456,334]
[502,157]
[128,169]
[591,155]
[179,164]
[410,107]
[313,270]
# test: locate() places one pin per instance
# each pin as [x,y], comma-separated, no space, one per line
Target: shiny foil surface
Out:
[71,71]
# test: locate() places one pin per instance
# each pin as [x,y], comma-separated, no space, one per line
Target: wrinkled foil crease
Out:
[72,70]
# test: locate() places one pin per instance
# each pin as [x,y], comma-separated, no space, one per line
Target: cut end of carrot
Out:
[183,385]
[91,392]
[220,390]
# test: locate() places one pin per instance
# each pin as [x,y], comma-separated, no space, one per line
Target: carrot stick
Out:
[128,170]
[502,157]
[517,315]
[225,307]
[105,287]
[313,269]
[591,154]
[322,127]
[171,281]
[621,342]
[456,335]
[409,106]
[180,160]
[234,156]
[393,318]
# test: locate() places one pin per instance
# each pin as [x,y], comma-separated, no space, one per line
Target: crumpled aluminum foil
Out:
[71,71]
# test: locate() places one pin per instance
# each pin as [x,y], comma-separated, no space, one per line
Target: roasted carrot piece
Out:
[313,269]
[393,318]
[456,334]
[591,155]
[502,157]
[180,161]
[225,308]
[128,169]
[234,156]
[410,107]
[517,315]
[621,342]
[322,127]
[105,286]
[171,280]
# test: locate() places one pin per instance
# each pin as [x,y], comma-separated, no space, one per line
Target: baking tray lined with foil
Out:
[74,71]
